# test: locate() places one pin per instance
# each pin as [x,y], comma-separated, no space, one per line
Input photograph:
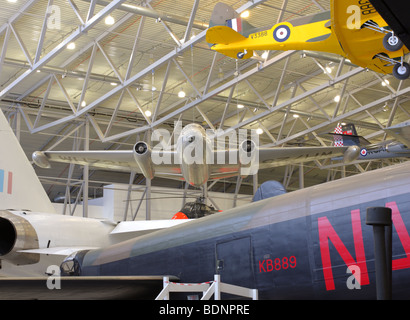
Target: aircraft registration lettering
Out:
[366,7]
[259,34]
[269,265]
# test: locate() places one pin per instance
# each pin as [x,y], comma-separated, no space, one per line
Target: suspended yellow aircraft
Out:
[352,28]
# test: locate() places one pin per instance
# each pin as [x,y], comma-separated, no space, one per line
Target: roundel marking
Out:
[363,152]
[281,33]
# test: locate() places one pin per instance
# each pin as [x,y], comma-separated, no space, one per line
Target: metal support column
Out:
[86,168]
[381,220]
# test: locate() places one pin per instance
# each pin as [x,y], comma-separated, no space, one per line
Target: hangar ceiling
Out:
[72,79]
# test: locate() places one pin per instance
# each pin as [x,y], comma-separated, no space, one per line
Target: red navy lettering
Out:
[328,234]
[404,237]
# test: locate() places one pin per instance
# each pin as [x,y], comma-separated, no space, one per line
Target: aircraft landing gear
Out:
[240,55]
[401,70]
[391,42]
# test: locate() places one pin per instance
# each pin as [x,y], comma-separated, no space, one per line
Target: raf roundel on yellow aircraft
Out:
[352,28]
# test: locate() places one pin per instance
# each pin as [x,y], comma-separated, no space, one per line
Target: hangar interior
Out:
[101,75]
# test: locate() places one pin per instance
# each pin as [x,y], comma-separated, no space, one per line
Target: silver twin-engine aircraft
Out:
[197,156]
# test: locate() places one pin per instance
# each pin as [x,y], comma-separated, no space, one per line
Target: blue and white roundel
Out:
[363,152]
[281,33]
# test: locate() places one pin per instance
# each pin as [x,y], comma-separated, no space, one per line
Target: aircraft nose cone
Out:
[351,154]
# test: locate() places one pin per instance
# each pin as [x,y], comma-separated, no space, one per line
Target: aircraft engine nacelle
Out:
[40,159]
[17,234]
[248,158]
[142,155]
[26,236]
[351,154]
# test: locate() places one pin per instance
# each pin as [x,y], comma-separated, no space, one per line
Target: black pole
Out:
[380,219]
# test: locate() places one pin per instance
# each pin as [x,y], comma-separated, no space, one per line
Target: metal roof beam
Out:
[18,14]
[146,12]
[62,45]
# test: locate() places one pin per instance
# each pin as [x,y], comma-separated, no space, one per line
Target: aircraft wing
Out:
[273,157]
[124,160]
[352,36]
[400,132]
[146,226]
[82,288]
[60,251]
[120,160]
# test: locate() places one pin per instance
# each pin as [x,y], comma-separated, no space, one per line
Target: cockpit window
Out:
[71,266]
[187,208]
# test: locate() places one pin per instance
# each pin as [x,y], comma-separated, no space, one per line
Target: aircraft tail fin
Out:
[346,135]
[227,27]
[20,188]
[225,15]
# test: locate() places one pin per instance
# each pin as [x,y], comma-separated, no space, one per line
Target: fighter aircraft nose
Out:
[351,154]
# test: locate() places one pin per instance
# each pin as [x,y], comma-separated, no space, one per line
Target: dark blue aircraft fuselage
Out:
[280,246]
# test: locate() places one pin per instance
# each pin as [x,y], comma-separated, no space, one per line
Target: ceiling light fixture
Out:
[259,131]
[386,107]
[245,14]
[71,46]
[109,20]
[336,99]
[240,106]
[181,94]
[148,113]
